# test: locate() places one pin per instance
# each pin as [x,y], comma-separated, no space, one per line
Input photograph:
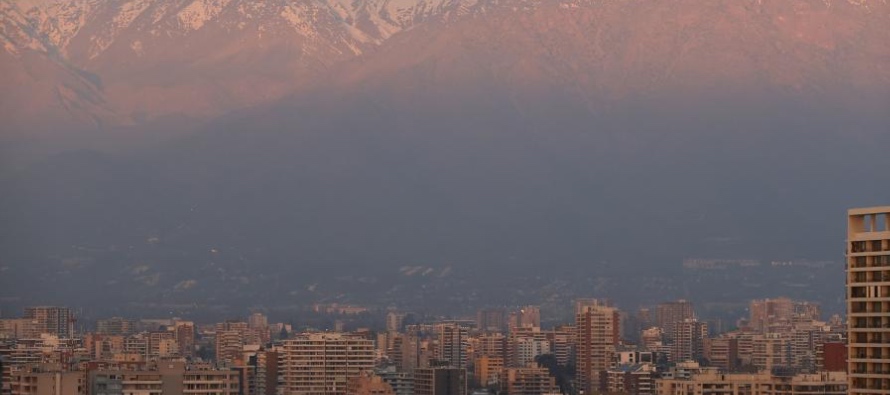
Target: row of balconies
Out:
[869,307]
[871,367]
[870,322]
[869,246]
[870,383]
[870,276]
[874,353]
[876,261]
[870,338]
[871,291]
[211,386]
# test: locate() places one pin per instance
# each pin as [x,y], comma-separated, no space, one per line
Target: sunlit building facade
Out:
[868,300]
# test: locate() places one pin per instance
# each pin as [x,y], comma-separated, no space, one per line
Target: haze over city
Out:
[330,164]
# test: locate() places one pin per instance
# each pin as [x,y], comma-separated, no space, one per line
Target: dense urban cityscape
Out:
[444,197]
[782,346]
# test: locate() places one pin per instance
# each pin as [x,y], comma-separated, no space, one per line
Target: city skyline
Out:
[457,346]
[444,197]
[781,346]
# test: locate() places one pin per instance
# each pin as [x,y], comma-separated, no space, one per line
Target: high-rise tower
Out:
[323,363]
[596,336]
[868,300]
[452,347]
[52,320]
[668,314]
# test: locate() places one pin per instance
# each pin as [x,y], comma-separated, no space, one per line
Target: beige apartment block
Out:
[868,300]
[48,383]
[530,381]
[211,382]
[369,384]
[164,378]
[323,363]
[596,336]
[713,383]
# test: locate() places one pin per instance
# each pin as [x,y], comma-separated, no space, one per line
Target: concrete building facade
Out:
[596,338]
[713,383]
[868,300]
[323,363]
[440,381]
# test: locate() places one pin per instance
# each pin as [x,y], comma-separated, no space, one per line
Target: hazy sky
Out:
[228,153]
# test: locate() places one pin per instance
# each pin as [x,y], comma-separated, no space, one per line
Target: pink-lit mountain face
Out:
[199,58]
[86,64]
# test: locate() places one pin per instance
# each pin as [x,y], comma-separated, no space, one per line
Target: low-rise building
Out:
[714,383]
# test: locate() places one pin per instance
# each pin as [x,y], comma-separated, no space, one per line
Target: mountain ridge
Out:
[203,58]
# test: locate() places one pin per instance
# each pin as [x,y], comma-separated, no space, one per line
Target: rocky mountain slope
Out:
[138,60]
[197,57]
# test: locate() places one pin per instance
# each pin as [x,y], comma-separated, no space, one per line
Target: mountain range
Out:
[250,149]
[116,63]
[89,64]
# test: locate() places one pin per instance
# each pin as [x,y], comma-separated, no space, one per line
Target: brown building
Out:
[368,384]
[530,381]
[637,379]
[259,374]
[832,357]
[116,382]
[266,364]
[35,382]
[164,378]
[440,381]
[724,353]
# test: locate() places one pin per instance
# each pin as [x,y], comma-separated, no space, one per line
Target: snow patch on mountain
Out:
[345,26]
[297,18]
[15,31]
[124,14]
[199,12]
[130,11]
[59,22]
[351,23]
